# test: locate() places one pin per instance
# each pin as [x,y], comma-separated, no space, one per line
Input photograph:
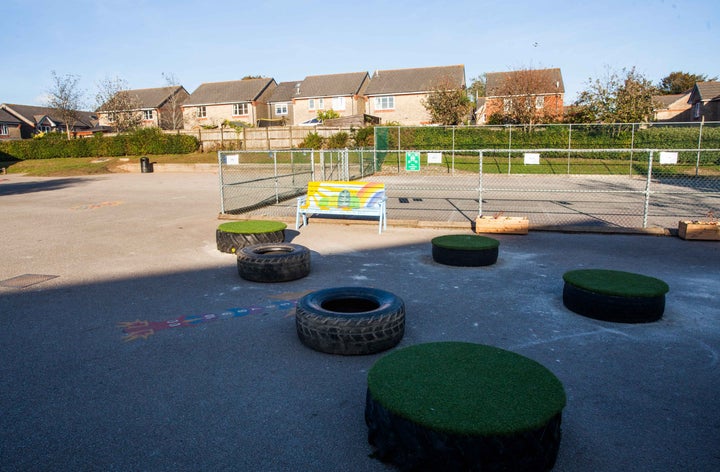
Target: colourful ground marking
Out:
[95,206]
[144,329]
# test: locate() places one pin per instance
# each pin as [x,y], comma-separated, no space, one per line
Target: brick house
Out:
[538,93]
[342,93]
[705,101]
[24,121]
[237,101]
[153,107]
[672,108]
[280,102]
[397,95]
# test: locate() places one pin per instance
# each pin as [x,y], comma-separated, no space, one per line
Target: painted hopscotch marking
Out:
[140,329]
[95,206]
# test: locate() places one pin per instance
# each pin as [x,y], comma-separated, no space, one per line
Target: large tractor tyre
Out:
[279,262]
[350,320]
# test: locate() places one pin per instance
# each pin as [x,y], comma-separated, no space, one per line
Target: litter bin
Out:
[145,165]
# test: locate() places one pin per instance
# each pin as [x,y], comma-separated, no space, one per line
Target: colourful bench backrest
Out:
[344,195]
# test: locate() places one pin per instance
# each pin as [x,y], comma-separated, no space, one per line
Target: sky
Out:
[209,41]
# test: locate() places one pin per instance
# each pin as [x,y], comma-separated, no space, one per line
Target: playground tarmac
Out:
[129,342]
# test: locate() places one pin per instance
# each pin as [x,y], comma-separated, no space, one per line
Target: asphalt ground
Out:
[97,273]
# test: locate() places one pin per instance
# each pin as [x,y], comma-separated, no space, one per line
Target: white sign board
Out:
[232,159]
[667,157]
[434,158]
[532,158]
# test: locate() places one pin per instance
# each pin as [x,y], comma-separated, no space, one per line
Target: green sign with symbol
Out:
[412,161]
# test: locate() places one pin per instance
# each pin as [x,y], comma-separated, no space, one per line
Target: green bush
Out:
[338,140]
[144,141]
[312,141]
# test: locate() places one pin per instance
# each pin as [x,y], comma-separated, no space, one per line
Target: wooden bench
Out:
[344,199]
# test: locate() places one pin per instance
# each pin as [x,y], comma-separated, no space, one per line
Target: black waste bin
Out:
[145,165]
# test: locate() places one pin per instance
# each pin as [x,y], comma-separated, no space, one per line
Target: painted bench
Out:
[345,199]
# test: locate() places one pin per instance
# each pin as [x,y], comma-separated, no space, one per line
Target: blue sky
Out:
[208,41]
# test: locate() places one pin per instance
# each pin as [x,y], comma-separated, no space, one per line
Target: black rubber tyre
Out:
[350,320]
[276,262]
[611,307]
[411,446]
[232,242]
[465,250]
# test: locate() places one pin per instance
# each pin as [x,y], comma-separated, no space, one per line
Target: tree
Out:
[447,104]
[623,97]
[121,106]
[477,86]
[680,82]
[524,92]
[65,97]
[175,120]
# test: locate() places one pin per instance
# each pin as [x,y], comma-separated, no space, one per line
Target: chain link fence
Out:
[555,187]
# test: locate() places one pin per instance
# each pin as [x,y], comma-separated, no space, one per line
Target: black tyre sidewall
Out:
[464,257]
[357,333]
[273,262]
[613,308]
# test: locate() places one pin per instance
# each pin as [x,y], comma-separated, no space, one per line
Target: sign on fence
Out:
[412,161]
[434,158]
[532,158]
[232,159]
[667,157]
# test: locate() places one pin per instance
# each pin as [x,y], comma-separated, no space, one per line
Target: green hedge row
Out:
[554,137]
[144,141]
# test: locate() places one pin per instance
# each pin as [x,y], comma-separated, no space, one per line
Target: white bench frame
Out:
[378,210]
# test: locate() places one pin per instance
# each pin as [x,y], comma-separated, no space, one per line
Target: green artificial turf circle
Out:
[466,389]
[252,226]
[616,283]
[468,242]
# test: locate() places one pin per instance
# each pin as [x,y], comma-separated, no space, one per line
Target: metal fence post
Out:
[697,163]
[647,190]
[569,146]
[222,184]
[509,147]
[480,183]
[632,146]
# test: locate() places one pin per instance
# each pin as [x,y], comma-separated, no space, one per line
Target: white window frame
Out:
[45,128]
[4,130]
[540,102]
[507,105]
[316,104]
[386,102]
[111,117]
[201,112]
[148,115]
[241,109]
[338,103]
[281,109]
[696,110]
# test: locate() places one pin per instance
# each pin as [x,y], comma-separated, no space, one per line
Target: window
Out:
[44,128]
[147,114]
[240,109]
[316,104]
[281,108]
[111,118]
[696,110]
[539,102]
[507,105]
[4,130]
[384,103]
[338,103]
[201,112]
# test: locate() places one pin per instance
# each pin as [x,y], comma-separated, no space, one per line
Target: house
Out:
[9,125]
[705,101]
[397,95]
[674,107]
[24,121]
[529,95]
[148,108]
[280,102]
[238,101]
[342,93]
